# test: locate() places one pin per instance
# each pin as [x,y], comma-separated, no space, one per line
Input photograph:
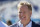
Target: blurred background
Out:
[9,11]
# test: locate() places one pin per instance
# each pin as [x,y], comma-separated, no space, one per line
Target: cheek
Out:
[19,16]
[27,15]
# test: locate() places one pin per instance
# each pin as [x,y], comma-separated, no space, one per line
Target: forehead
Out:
[23,8]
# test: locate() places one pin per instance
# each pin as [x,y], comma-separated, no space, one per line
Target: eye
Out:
[20,12]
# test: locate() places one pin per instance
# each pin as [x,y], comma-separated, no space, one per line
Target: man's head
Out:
[25,11]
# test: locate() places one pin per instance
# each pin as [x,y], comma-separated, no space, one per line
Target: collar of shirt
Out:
[21,25]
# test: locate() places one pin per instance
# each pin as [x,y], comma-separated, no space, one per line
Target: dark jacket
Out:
[35,25]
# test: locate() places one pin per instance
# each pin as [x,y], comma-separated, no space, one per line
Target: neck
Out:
[26,23]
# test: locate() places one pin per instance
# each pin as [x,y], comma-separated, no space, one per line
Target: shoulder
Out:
[35,25]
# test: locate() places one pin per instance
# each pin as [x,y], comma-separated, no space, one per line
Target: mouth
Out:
[23,17]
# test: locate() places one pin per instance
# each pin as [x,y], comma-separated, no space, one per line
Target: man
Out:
[25,12]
